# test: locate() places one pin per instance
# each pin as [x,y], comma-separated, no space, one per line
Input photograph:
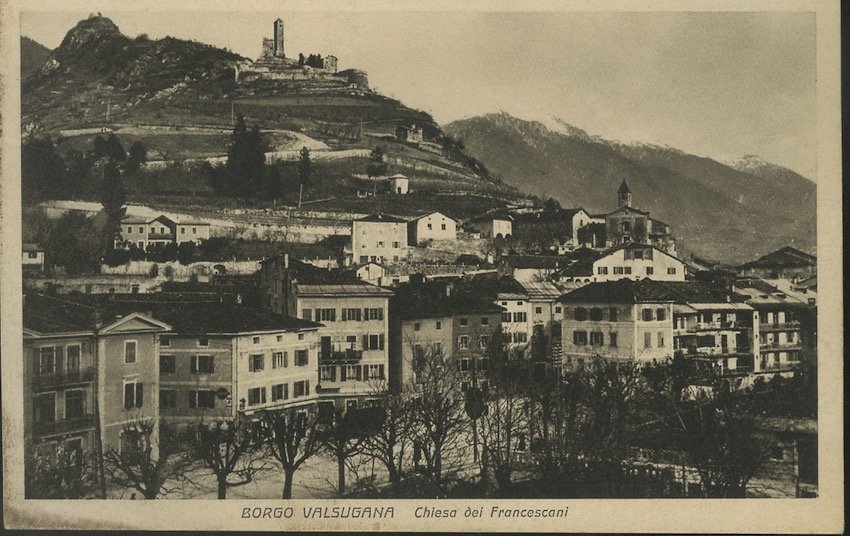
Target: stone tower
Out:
[278,38]
[624,195]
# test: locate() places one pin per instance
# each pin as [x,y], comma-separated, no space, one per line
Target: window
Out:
[439,325]
[327,373]
[165,341]
[483,341]
[416,326]
[129,352]
[167,364]
[580,313]
[374,313]
[671,270]
[612,314]
[520,336]
[133,395]
[194,230]
[375,372]
[167,399]
[255,339]
[463,342]
[602,270]
[650,270]
[351,314]
[646,315]
[627,269]
[520,316]
[203,342]
[279,360]
[44,407]
[430,226]
[396,245]
[647,340]
[300,336]
[301,388]
[280,392]
[47,360]
[506,318]
[351,372]
[538,310]
[257,395]
[182,230]
[596,314]
[579,338]
[612,338]
[72,358]
[141,230]
[129,230]
[660,339]
[301,358]
[74,404]
[373,342]
[438,348]
[464,321]
[596,338]
[442,226]
[255,363]
[307,314]
[485,321]
[203,399]
[278,338]
[558,309]
[618,270]
[380,243]
[203,364]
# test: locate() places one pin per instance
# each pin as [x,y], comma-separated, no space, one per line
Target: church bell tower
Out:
[278,38]
[624,195]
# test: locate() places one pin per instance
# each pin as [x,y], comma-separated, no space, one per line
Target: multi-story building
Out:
[142,232]
[546,317]
[645,321]
[444,318]
[433,226]
[90,373]
[780,328]
[637,261]
[559,226]
[784,263]
[379,238]
[492,225]
[353,352]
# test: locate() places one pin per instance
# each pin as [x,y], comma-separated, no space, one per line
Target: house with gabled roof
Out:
[430,227]
[785,263]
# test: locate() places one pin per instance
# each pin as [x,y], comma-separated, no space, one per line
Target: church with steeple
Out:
[627,224]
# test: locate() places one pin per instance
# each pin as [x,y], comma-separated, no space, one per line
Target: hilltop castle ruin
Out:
[272,64]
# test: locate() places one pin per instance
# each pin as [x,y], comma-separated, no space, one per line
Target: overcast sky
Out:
[715,84]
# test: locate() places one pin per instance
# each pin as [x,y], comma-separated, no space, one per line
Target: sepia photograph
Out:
[495,262]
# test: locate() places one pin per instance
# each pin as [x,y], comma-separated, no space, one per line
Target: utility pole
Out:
[232,119]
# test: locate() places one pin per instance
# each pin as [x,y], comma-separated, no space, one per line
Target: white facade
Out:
[638,262]
[378,239]
[272,370]
[32,258]
[493,228]
[434,226]
[142,232]
[516,322]
[399,184]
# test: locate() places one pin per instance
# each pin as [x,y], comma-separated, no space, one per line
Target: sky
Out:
[722,85]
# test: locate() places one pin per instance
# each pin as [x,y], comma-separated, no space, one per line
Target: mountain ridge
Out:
[696,195]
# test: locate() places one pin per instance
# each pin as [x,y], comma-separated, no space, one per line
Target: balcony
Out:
[716,352]
[57,380]
[780,326]
[780,367]
[66,426]
[341,356]
[714,326]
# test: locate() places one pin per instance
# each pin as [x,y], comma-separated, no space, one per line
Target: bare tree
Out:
[139,465]
[440,426]
[344,434]
[291,436]
[62,473]
[390,441]
[228,449]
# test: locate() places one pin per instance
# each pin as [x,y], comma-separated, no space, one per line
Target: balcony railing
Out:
[74,424]
[780,326]
[793,345]
[61,379]
[336,356]
[779,367]
[713,326]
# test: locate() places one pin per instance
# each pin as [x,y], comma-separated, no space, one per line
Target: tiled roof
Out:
[787,257]
[361,289]
[647,290]
[430,299]
[381,218]
[50,314]
[547,290]
[202,317]
[536,261]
